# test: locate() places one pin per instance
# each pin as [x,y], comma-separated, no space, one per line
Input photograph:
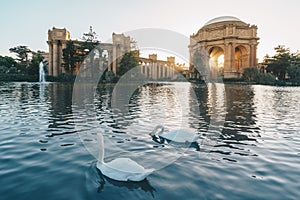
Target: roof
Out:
[222,19]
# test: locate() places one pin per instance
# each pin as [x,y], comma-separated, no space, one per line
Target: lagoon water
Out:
[249,145]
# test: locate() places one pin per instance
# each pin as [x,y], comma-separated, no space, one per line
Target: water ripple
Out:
[253,155]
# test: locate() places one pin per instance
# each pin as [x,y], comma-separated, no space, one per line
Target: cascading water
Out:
[42,78]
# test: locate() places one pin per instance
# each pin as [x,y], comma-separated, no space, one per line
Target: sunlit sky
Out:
[27,22]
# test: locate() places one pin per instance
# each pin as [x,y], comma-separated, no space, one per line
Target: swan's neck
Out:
[101,151]
[161,130]
[155,132]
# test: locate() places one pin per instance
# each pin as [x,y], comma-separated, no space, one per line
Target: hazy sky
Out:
[27,22]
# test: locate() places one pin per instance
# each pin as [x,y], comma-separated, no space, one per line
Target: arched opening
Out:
[240,59]
[216,61]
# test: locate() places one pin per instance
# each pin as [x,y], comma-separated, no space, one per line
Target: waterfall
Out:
[42,73]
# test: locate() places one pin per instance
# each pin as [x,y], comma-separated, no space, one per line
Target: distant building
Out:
[227,45]
[158,69]
[150,67]
[57,40]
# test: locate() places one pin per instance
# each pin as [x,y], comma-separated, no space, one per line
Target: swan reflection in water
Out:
[131,185]
[95,180]
[180,137]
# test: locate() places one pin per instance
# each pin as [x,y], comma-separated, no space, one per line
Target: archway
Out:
[230,43]
[216,61]
[241,59]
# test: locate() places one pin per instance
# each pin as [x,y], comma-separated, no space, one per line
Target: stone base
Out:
[232,75]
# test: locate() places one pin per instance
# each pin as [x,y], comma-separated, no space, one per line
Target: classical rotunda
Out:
[229,45]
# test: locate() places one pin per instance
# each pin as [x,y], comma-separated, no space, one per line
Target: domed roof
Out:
[222,19]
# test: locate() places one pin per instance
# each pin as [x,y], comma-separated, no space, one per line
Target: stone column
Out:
[59,58]
[50,61]
[55,60]
[151,70]
[114,59]
[62,67]
[233,69]
[159,71]
[227,58]
[146,72]
[252,55]
[109,60]
[155,70]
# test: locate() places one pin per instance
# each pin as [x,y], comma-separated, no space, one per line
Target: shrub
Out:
[18,77]
[251,74]
[61,78]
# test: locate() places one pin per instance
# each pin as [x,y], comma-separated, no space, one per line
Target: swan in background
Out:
[179,136]
[120,169]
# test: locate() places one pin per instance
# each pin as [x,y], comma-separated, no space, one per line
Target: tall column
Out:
[114,59]
[155,70]
[59,58]
[159,71]
[168,71]
[233,69]
[252,55]
[150,72]
[147,70]
[227,58]
[50,61]
[55,60]
[62,67]
[109,60]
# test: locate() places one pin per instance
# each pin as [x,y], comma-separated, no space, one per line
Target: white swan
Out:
[120,169]
[179,136]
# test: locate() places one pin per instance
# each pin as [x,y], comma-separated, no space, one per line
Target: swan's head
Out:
[159,129]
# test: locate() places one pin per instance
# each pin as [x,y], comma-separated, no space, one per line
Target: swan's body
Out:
[121,169]
[179,136]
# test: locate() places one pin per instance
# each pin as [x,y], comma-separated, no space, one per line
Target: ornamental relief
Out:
[243,32]
[215,34]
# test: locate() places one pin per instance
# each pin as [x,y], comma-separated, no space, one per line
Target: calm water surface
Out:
[249,145]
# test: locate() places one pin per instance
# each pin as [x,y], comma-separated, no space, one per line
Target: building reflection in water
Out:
[60,109]
[240,121]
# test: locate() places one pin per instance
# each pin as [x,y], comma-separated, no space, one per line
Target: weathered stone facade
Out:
[231,38]
[57,39]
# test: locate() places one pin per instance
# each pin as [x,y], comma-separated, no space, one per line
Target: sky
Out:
[27,22]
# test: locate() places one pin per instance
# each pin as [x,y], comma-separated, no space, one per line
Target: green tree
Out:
[109,76]
[33,68]
[267,78]
[294,68]
[251,74]
[76,51]
[89,42]
[22,53]
[128,61]
[280,62]
[294,72]
[9,62]
[70,56]
[12,70]
[3,69]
